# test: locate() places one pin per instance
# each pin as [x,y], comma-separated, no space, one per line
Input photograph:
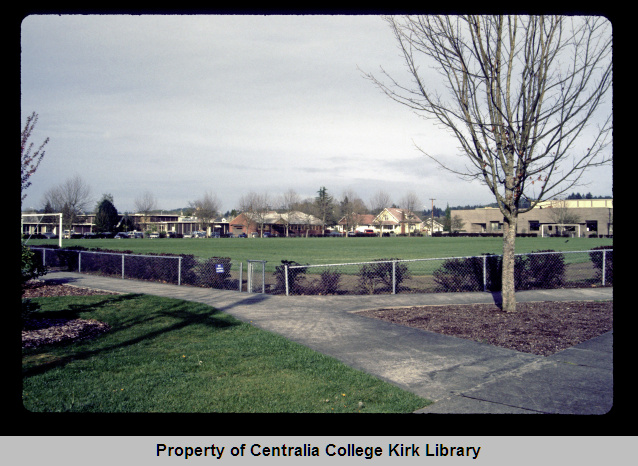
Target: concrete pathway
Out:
[460,376]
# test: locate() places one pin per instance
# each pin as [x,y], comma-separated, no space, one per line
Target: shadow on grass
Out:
[184,312]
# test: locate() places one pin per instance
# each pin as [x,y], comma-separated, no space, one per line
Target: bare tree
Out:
[29,161]
[206,208]
[145,204]
[379,201]
[561,214]
[309,210]
[410,203]
[523,93]
[71,198]
[255,207]
[289,202]
[351,208]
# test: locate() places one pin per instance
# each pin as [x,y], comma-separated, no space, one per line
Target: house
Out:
[396,221]
[161,223]
[272,223]
[356,223]
[581,217]
[431,226]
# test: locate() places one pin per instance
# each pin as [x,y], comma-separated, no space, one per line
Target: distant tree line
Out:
[586,196]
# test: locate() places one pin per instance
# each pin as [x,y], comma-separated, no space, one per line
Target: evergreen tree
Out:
[106,217]
[325,205]
[447,222]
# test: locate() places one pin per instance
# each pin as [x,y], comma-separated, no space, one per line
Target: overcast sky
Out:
[181,105]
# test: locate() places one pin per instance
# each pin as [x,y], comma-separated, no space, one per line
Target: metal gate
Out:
[256,276]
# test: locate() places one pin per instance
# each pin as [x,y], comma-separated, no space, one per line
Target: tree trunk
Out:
[508,284]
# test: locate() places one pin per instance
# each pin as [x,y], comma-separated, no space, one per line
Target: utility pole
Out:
[432,224]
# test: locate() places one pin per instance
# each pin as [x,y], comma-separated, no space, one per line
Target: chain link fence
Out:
[216,272]
[537,270]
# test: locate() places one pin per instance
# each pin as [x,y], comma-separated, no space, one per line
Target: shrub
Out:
[532,271]
[213,272]
[464,274]
[380,272]
[596,257]
[330,281]
[68,257]
[539,270]
[294,277]
[31,265]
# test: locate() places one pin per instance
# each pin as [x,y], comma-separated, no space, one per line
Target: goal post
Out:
[559,227]
[36,220]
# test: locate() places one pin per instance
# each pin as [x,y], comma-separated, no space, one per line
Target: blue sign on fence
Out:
[219,268]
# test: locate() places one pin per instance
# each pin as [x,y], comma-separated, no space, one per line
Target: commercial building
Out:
[577,218]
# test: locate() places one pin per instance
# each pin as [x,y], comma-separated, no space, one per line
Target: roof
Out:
[273,217]
[362,219]
[399,215]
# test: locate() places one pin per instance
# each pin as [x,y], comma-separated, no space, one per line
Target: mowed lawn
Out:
[331,250]
[173,356]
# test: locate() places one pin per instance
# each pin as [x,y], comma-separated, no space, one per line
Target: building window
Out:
[592,226]
[534,225]
[496,226]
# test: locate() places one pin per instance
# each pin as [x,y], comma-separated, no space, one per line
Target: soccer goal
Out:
[33,224]
[561,229]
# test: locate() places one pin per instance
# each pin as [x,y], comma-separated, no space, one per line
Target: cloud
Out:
[179,105]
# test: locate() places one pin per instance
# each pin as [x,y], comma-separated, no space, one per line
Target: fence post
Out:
[286,273]
[394,277]
[263,276]
[604,265]
[179,270]
[44,257]
[122,266]
[241,273]
[79,261]
[484,272]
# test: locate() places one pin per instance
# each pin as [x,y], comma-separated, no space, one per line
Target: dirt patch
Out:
[37,332]
[541,328]
[42,289]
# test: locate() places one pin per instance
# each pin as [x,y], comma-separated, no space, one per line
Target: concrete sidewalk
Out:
[460,376]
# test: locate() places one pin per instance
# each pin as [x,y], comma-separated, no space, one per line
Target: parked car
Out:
[154,235]
[88,235]
[50,235]
[242,235]
[335,233]
[122,235]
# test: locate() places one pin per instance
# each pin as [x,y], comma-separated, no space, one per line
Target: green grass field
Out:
[331,250]
[173,356]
